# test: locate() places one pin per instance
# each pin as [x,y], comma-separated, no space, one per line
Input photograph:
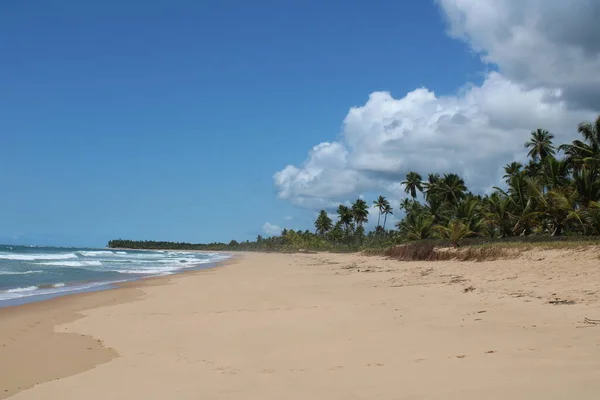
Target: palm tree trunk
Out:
[384,220]
[379,218]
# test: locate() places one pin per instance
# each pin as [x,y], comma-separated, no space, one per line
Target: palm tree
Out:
[587,184]
[336,234]
[323,224]
[468,211]
[387,210]
[412,184]
[360,212]
[451,188]
[416,226]
[455,231]
[512,169]
[584,154]
[541,144]
[555,173]
[380,204]
[496,215]
[590,131]
[345,216]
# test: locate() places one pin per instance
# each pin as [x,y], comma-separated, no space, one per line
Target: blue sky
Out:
[168,120]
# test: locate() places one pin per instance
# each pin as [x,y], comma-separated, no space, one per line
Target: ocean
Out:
[37,273]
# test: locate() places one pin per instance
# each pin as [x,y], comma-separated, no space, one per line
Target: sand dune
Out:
[319,326]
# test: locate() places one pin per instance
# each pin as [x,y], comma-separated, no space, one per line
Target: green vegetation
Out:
[550,199]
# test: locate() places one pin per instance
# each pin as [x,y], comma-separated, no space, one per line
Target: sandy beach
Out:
[319,326]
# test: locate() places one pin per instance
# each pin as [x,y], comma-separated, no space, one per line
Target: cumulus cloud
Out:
[474,132]
[548,43]
[271,229]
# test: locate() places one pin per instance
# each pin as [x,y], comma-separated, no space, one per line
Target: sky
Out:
[204,121]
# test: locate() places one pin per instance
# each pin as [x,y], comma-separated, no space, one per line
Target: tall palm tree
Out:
[323,224]
[345,216]
[555,173]
[496,214]
[429,186]
[512,169]
[590,131]
[451,188]
[387,210]
[336,234]
[380,204]
[540,144]
[533,169]
[412,184]
[584,154]
[587,184]
[468,211]
[360,212]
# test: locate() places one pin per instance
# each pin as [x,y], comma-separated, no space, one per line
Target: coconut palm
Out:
[512,169]
[468,211]
[345,216]
[337,233]
[360,212]
[591,132]
[555,173]
[584,154]
[412,184]
[380,204]
[323,224]
[416,226]
[387,210]
[540,144]
[496,214]
[455,231]
[587,184]
[451,189]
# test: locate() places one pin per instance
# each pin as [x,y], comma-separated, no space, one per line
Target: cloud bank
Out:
[547,58]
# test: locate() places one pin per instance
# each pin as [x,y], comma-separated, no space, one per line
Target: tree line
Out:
[548,196]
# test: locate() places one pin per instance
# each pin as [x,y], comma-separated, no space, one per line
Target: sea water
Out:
[36,273]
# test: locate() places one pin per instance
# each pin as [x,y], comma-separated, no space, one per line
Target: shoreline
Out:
[51,291]
[322,326]
[42,345]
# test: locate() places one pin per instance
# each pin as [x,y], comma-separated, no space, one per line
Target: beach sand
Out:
[319,326]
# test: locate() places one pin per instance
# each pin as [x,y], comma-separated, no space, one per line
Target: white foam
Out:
[96,253]
[147,271]
[138,255]
[56,289]
[22,289]
[73,263]
[121,252]
[19,273]
[31,257]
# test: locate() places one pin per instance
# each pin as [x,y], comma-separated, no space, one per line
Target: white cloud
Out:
[473,133]
[289,218]
[548,43]
[271,229]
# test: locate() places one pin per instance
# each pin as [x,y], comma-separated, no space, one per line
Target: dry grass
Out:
[428,252]
[413,252]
